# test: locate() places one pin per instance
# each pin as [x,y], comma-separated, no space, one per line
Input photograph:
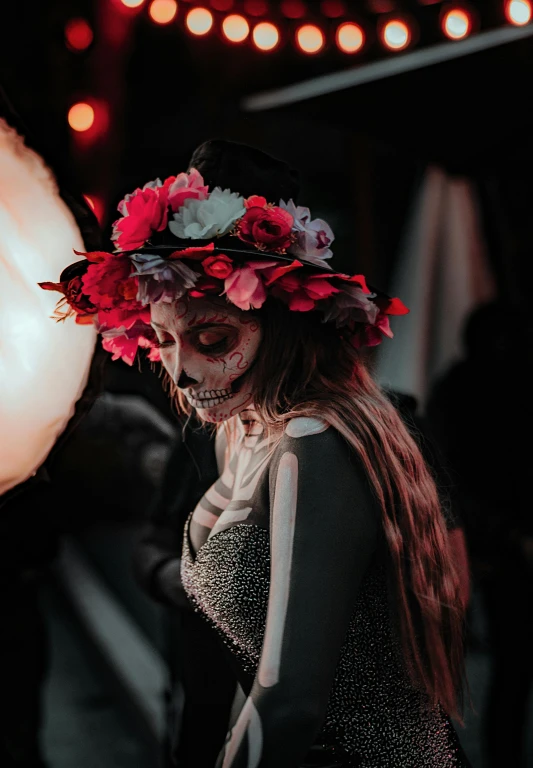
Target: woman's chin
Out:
[226,410]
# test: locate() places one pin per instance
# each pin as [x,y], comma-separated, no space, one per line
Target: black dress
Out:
[322,665]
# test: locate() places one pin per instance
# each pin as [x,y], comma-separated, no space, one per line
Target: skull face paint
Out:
[208,347]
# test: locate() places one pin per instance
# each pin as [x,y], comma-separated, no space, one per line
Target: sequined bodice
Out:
[375,717]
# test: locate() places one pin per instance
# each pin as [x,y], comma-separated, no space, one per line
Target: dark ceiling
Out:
[167,91]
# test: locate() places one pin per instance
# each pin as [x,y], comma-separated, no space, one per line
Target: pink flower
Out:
[303,293]
[123,333]
[145,212]
[108,283]
[370,335]
[195,253]
[245,287]
[185,186]
[220,266]
[266,228]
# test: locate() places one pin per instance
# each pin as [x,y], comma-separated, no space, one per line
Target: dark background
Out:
[361,154]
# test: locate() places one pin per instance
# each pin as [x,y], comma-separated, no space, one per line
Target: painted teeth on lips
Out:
[210,394]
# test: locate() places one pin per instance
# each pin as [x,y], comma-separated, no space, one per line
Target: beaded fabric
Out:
[375,716]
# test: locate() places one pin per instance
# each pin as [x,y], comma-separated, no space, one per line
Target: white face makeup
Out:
[208,347]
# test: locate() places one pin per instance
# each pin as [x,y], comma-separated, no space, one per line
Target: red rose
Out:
[147,212]
[72,290]
[255,201]
[110,285]
[266,228]
[220,266]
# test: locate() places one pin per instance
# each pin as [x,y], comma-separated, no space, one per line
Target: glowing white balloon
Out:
[44,365]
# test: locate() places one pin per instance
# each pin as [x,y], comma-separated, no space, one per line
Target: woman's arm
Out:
[324,527]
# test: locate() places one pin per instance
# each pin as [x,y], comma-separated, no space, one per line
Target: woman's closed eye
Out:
[214,340]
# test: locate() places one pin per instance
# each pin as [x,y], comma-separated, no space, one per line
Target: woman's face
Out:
[208,347]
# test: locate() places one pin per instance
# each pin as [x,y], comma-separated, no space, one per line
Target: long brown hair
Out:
[305,367]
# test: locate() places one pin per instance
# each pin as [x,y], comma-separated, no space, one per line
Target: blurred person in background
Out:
[485,442]
[320,556]
[202,685]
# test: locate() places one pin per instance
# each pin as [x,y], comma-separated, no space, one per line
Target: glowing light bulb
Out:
[199,21]
[132,3]
[78,34]
[81,116]
[396,35]
[350,37]
[163,11]
[456,24]
[266,36]
[235,28]
[310,38]
[519,12]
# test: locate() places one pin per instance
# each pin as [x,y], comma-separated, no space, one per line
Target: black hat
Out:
[245,169]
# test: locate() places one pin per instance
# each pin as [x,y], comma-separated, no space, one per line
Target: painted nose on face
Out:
[185,380]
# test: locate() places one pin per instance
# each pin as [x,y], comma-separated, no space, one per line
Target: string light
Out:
[235,28]
[222,5]
[265,36]
[199,21]
[333,8]
[81,116]
[519,12]
[293,9]
[310,38]
[396,35]
[132,3]
[255,7]
[78,34]
[163,11]
[350,37]
[456,24]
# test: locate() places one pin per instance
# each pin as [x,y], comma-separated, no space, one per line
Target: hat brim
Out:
[79,268]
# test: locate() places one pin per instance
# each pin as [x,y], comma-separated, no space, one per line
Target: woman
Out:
[320,555]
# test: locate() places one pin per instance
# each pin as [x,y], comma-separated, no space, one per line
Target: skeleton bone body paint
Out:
[208,347]
[290,576]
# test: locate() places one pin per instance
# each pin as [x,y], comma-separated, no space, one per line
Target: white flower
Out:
[313,238]
[202,219]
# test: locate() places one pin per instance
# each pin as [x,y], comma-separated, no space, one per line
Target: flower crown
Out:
[220,245]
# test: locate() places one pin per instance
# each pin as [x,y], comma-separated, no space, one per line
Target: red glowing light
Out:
[333,8]
[78,34]
[350,37]
[199,21]
[81,116]
[310,38]
[222,5]
[293,9]
[456,24]
[96,204]
[163,11]
[396,35]
[255,7]
[519,12]
[235,28]
[266,36]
